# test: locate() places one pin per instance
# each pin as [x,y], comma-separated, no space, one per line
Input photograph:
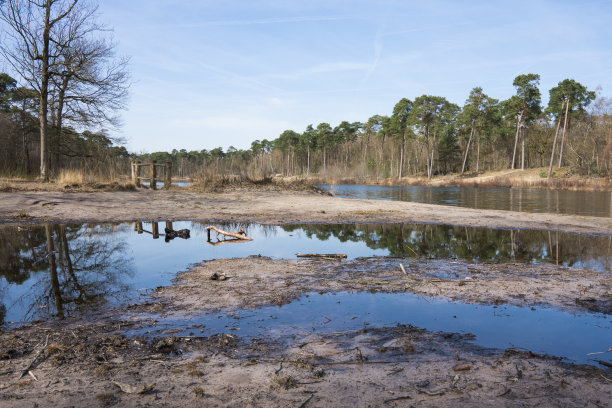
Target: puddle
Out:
[540,330]
[93,266]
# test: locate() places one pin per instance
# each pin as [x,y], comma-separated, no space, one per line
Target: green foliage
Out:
[577,94]
[528,96]
[7,85]
[449,152]
[401,118]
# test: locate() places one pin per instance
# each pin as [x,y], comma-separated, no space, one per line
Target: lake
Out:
[593,203]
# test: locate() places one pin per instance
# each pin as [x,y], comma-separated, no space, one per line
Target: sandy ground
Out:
[268,207]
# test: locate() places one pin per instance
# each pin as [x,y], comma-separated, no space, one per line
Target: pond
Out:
[593,203]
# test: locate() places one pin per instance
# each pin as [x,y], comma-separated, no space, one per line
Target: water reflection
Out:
[594,203]
[64,270]
[472,244]
[60,270]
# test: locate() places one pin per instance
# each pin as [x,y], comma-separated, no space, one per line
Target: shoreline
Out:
[269,207]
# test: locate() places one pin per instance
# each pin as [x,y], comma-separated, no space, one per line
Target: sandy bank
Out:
[268,207]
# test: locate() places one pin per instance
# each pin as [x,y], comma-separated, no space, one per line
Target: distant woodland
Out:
[72,84]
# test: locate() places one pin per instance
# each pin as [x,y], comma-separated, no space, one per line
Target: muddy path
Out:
[268,207]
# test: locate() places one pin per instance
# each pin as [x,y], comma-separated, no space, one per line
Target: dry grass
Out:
[230,183]
[67,182]
[531,178]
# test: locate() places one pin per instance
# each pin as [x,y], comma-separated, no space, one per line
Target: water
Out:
[542,330]
[99,265]
[96,266]
[160,184]
[594,203]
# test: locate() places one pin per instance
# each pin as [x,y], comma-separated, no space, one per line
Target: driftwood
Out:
[323,256]
[26,370]
[237,235]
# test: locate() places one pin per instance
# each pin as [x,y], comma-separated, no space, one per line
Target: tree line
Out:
[430,136]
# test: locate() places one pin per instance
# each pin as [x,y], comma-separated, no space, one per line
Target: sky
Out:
[218,73]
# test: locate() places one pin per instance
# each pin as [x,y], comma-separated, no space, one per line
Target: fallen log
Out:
[325,256]
[238,235]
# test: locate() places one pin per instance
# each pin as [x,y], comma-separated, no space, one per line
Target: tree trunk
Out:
[308,162]
[478,152]
[44,95]
[427,145]
[24,139]
[518,126]
[467,150]
[401,164]
[522,149]
[552,154]
[564,129]
[324,160]
[433,153]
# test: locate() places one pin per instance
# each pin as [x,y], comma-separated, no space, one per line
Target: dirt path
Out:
[269,207]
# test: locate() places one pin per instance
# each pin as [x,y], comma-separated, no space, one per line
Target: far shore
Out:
[529,179]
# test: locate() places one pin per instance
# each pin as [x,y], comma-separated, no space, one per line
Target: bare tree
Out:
[32,51]
[58,48]
[91,84]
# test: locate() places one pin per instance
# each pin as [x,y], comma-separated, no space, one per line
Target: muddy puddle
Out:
[53,270]
[541,330]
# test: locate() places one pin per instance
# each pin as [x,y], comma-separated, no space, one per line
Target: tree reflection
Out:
[472,244]
[65,268]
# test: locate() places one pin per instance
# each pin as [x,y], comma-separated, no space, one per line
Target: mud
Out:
[93,364]
[258,281]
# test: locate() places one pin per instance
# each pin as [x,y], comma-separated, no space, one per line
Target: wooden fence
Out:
[157,172]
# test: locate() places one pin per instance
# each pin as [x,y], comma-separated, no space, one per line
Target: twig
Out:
[606,378]
[279,369]
[601,352]
[404,397]
[403,270]
[303,404]
[32,375]
[27,369]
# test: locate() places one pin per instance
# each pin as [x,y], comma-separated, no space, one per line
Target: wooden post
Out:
[168,175]
[169,225]
[139,227]
[208,232]
[136,169]
[153,186]
[134,173]
[155,230]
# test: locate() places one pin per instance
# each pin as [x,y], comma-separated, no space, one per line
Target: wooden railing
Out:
[154,174]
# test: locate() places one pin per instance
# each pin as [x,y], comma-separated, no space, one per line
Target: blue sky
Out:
[221,73]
